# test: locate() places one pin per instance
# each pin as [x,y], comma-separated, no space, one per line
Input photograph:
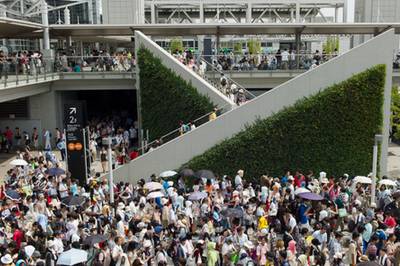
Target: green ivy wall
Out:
[332,131]
[166,98]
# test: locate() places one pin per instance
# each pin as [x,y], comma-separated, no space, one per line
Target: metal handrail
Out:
[144,147]
[249,95]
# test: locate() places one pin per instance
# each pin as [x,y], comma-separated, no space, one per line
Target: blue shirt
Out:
[302,210]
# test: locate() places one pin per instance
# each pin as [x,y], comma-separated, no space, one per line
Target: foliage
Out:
[331,131]
[254,46]
[332,43]
[166,99]
[237,48]
[395,118]
[176,45]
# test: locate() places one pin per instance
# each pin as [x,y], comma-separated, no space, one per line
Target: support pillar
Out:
[201,13]
[22,7]
[345,9]
[298,15]
[90,11]
[45,22]
[298,44]
[249,13]
[153,11]
[336,14]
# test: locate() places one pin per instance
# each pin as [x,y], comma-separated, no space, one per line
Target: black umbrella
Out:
[94,239]
[56,171]
[73,201]
[233,212]
[186,172]
[13,194]
[205,174]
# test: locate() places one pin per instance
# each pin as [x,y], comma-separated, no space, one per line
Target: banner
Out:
[77,140]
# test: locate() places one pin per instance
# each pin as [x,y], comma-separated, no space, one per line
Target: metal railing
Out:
[268,62]
[239,88]
[145,146]
[21,71]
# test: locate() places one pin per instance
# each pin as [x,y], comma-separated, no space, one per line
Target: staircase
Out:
[180,150]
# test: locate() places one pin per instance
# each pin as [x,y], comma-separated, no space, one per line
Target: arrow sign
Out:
[72,110]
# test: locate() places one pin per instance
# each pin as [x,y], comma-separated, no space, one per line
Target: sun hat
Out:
[146,243]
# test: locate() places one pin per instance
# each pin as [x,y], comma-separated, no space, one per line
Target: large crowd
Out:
[282,59]
[51,218]
[33,62]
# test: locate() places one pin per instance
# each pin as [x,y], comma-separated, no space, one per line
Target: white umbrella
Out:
[18,162]
[29,250]
[362,180]
[168,173]
[387,182]
[153,186]
[301,190]
[155,194]
[72,257]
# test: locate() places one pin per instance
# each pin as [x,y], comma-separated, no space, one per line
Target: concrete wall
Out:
[24,125]
[43,107]
[202,86]
[178,151]
[94,84]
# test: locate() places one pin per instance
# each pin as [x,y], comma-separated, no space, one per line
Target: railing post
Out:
[16,75]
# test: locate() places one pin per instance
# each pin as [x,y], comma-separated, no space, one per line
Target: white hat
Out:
[322,174]
[141,225]
[170,183]
[146,243]
[290,177]
[264,232]
[338,256]
[248,245]
[164,201]
[322,215]
[6,259]
[121,205]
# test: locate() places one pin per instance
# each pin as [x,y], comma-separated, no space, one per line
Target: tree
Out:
[237,48]
[176,45]
[331,44]
[254,46]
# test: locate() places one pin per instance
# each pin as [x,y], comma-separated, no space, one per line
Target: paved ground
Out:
[393,162]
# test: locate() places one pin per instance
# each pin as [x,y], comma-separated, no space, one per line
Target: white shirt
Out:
[238,180]
[58,246]
[285,56]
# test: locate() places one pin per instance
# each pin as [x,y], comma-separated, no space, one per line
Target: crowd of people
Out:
[197,218]
[282,59]
[33,62]
[102,61]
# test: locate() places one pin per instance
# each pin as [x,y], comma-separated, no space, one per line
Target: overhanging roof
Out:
[221,29]
[10,28]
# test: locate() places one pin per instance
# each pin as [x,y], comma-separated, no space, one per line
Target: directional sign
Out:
[77,139]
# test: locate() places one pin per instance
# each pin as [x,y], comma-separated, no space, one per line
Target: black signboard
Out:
[76,140]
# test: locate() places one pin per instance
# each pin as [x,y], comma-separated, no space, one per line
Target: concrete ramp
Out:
[202,86]
[173,154]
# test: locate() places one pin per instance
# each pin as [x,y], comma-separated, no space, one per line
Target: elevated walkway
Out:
[14,87]
[180,150]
